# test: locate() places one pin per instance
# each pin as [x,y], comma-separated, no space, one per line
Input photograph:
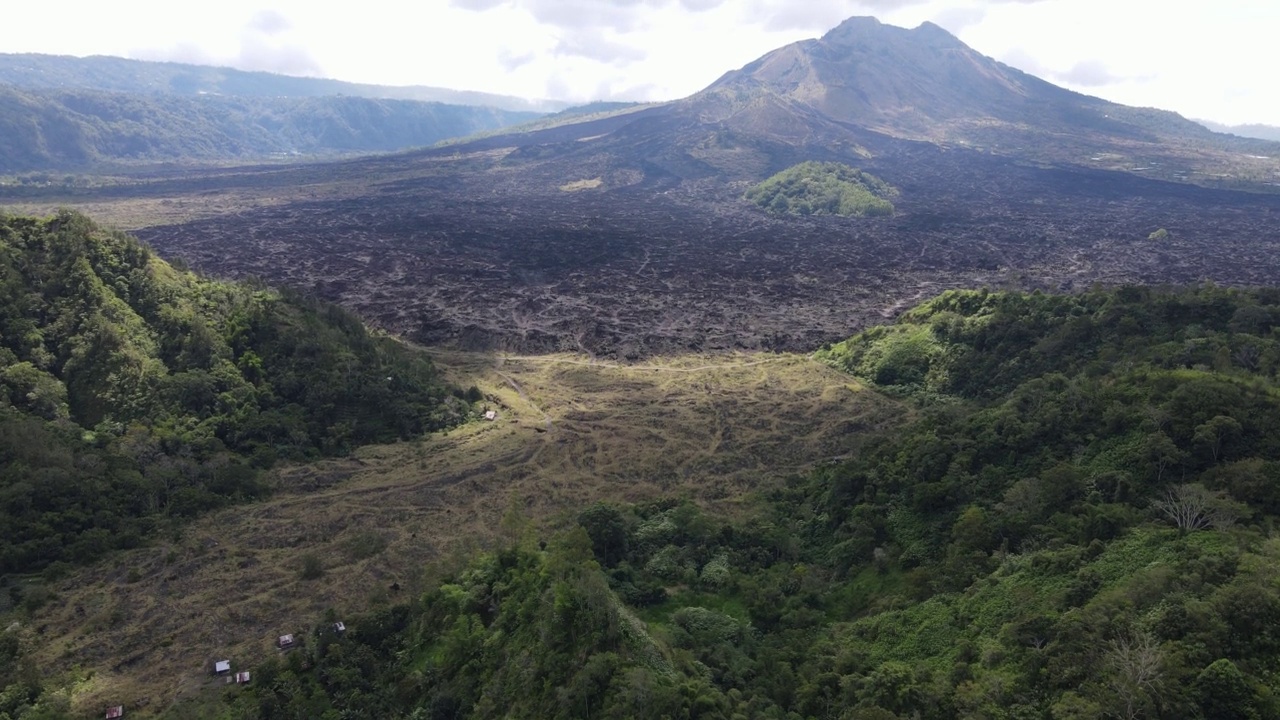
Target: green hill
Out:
[133,393]
[815,188]
[1076,524]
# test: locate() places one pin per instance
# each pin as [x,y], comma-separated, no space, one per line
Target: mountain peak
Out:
[937,35]
[853,30]
[921,82]
[863,30]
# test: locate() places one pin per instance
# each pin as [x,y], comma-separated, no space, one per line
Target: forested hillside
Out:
[47,129]
[1076,524]
[133,393]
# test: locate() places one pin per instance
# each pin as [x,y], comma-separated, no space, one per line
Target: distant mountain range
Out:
[75,128]
[67,113]
[1249,130]
[114,74]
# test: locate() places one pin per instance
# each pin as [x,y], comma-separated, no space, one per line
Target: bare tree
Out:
[1137,664]
[1192,507]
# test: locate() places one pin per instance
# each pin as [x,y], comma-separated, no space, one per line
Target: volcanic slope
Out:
[626,233]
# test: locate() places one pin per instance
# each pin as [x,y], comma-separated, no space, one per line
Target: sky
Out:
[1212,60]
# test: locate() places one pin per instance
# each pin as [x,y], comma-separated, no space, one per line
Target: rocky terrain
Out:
[624,233]
[501,257]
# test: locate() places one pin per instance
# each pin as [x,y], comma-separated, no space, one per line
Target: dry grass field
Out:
[569,431]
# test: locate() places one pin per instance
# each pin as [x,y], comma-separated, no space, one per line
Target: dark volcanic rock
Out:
[626,234]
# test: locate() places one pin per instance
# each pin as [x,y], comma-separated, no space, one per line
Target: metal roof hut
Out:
[285,642]
[115,712]
[222,667]
[242,677]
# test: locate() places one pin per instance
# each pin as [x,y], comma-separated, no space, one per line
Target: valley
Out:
[383,523]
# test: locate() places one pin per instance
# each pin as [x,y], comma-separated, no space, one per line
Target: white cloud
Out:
[264,42]
[595,46]
[1089,73]
[269,22]
[956,19]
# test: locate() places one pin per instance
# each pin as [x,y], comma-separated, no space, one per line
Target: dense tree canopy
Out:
[131,392]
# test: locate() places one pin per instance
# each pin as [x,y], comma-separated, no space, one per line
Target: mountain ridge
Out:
[111,73]
[55,129]
[907,81]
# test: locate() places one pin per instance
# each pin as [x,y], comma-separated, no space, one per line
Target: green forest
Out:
[134,394]
[1076,522]
[818,188]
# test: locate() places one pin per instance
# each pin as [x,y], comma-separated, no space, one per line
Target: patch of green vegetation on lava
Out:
[818,188]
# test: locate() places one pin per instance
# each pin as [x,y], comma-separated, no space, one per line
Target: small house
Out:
[115,712]
[222,667]
[490,414]
[242,677]
[339,627]
[284,642]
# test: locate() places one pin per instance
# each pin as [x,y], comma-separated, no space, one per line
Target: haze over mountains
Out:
[1251,130]
[113,74]
[65,113]
[74,129]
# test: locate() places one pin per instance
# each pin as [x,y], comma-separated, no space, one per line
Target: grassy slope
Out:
[569,432]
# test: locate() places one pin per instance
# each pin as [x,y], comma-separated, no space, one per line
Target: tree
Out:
[608,533]
[1136,662]
[1161,452]
[1210,435]
[1192,507]
[1224,692]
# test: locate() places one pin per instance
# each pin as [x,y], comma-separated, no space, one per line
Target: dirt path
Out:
[644,368]
[524,396]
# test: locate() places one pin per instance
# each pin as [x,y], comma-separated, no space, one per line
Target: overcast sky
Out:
[1215,61]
